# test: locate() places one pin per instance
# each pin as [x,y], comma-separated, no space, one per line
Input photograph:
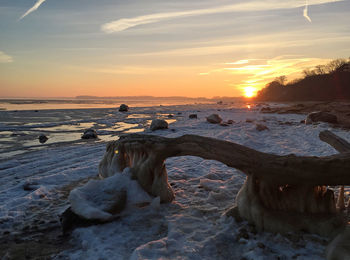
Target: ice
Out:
[191,227]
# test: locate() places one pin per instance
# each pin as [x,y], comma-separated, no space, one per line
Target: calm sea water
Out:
[40,104]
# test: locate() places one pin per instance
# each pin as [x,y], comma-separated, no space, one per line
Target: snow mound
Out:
[101,199]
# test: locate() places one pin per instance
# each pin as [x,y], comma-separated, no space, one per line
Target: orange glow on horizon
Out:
[249,92]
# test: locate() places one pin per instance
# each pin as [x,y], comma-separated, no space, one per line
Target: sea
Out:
[64,120]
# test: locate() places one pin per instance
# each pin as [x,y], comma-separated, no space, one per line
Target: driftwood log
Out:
[281,193]
[339,248]
[338,143]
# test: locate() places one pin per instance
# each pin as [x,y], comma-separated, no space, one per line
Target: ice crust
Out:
[192,227]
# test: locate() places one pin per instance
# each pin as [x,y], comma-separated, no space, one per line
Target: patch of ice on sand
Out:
[97,197]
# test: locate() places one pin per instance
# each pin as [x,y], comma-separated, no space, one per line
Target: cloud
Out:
[35,6]
[305,12]
[4,58]
[258,72]
[126,23]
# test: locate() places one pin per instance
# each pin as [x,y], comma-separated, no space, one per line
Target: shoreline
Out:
[204,190]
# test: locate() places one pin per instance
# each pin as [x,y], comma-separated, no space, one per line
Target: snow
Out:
[191,227]
[93,200]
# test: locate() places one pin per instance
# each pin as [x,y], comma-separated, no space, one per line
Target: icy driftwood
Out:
[281,193]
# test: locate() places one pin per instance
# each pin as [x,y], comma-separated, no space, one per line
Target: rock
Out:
[224,124]
[123,108]
[214,119]
[43,138]
[261,127]
[219,102]
[30,186]
[89,134]
[230,122]
[265,109]
[192,116]
[159,124]
[170,116]
[248,120]
[321,117]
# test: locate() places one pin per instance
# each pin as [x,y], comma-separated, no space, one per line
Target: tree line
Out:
[324,82]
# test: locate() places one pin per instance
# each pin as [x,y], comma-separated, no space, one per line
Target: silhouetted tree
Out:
[334,65]
[325,82]
[281,80]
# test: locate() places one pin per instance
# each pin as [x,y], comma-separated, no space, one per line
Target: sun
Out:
[249,92]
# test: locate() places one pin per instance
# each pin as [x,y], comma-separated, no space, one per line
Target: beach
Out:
[35,180]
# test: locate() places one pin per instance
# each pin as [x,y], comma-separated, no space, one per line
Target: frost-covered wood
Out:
[281,193]
[136,149]
[338,143]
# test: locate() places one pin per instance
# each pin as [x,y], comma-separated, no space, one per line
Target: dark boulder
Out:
[321,117]
[261,127]
[214,119]
[89,134]
[43,138]
[158,124]
[123,108]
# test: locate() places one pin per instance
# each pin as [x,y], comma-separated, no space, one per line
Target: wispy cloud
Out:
[237,62]
[134,70]
[35,7]
[4,58]
[305,12]
[126,23]
[258,72]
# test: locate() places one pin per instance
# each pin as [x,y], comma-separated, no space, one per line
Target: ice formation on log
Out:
[281,193]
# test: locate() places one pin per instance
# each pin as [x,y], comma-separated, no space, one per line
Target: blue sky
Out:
[162,48]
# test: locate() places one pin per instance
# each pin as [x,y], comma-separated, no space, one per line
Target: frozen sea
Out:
[35,179]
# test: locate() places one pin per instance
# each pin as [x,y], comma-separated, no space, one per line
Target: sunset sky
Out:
[64,48]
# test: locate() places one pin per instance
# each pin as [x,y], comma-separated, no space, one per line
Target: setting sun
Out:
[249,92]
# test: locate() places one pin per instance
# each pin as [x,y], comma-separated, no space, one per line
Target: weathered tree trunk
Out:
[338,143]
[339,247]
[276,169]
[281,193]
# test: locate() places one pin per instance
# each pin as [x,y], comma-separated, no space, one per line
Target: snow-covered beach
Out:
[34,185]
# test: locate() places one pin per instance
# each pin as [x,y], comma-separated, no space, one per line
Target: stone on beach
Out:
[123,108]
[192,116]
[89,134]
[214,119]
[261,127]
[321,116]
[158,124]
[43,138]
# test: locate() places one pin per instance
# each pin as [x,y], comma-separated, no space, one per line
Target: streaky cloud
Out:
[35,7]
[305,12]
[4,58]
[126,23]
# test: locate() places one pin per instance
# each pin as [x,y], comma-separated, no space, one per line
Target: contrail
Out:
[305,14]
[126,23]
[35,6]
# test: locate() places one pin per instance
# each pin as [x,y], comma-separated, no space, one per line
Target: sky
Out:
[198,48]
